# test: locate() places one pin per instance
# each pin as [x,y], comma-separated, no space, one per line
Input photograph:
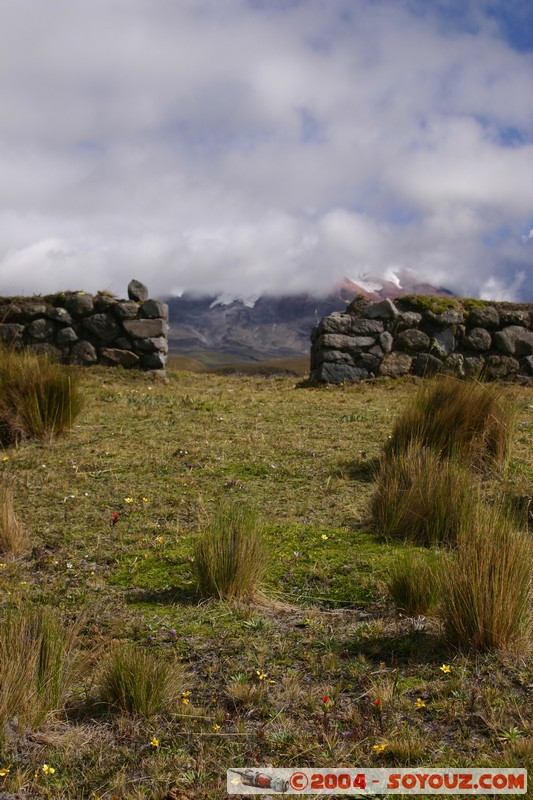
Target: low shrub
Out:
[412,583]
[135,681]
[13,538]
[37,665]
[421,498]
[467,420]
[231,557]
[38,397]
[486,589]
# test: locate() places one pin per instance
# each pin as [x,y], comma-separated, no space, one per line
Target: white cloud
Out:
[224,145]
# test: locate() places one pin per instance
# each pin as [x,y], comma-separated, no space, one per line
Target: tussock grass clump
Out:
[422,499]
[13,538]
[137,682]
[38,398]
[486,588]
[412,583]
[37,665]
[467,420]
[231,557]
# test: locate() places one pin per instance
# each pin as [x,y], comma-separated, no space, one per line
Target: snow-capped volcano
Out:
[255,328]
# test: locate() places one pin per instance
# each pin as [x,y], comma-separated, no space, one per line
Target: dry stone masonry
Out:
[422,336]
[77,328]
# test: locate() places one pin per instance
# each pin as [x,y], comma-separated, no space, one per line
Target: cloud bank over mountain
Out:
[251,146]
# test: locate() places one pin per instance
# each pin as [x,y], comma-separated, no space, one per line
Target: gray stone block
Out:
[395,364]
[123,358]
[83,353]
[443,343]
[145,328]
[484,317]
[369,362]
[383,309]
[126,309]
[425,365]
[79,304]
[336,322]
[154,309]
[10,332]
[454,364]
[498,367]
[408,319]
[385,341]
[412,341]
[473,365]
[33,310]
[41,329]
[137,291]
[367,327]
[46,349]
[66,336]
[477,339]
[103,326]
[157,344]
[448,319]
[339,373]
[153,361]
[514,340]
[59,315]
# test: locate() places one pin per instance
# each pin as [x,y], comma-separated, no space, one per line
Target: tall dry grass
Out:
[37,666]
[487,585]
[135,681]
[466,420]
[412,583]
[231,556]
[38,397]
[421,498]
[13,538]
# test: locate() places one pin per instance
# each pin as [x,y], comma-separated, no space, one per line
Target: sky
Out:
[266,146]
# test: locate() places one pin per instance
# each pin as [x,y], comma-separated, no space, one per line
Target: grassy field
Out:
[112,510]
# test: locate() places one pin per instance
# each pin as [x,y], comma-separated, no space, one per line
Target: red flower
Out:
[325,699]
[378,702]
[115,518]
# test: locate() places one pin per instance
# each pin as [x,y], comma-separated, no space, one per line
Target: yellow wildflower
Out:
[379,748]
[260,674]
[128,499]
[446,668]
[48,770]
[324,537]
[5,458]
[145,499]
[216,727]
[155,742]
[5,771]
[420,703]
[185,698]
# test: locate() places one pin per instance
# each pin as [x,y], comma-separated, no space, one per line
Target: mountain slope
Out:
[266,327]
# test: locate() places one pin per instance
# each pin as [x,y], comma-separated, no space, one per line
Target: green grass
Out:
[323,625]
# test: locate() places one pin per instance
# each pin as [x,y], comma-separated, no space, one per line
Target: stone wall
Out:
[78,328]
[422,336]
